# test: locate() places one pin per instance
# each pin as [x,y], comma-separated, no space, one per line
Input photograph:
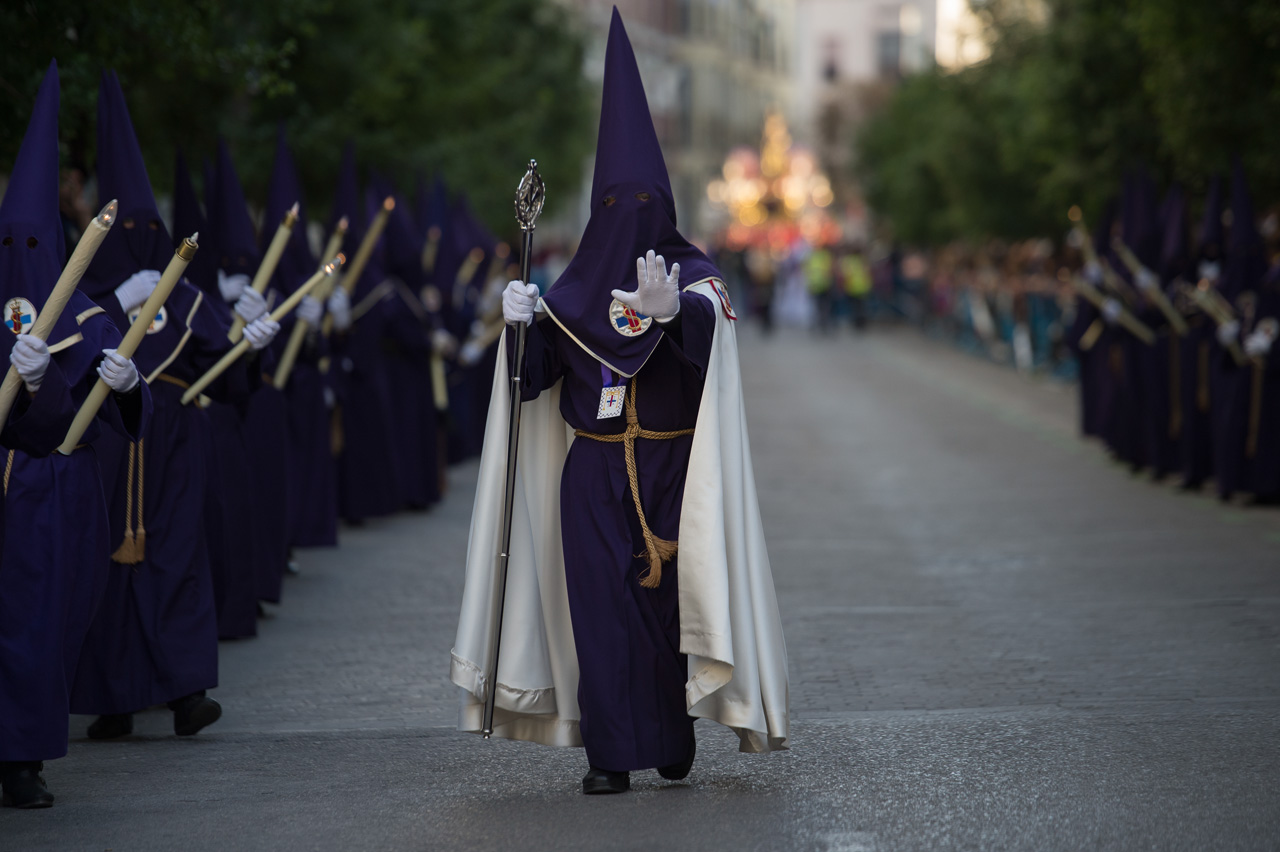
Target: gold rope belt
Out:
[659,550]
[174,380]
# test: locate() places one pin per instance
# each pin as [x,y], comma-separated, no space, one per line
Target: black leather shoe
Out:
[110,726]
[23,787]
[680,771]
[600,781]
[194,713]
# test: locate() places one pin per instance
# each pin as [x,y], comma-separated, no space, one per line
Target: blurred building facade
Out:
[712,69]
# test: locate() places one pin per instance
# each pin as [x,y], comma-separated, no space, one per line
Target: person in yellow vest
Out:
[818,268]
[856,278]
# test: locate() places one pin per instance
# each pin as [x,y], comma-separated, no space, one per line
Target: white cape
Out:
[729,624]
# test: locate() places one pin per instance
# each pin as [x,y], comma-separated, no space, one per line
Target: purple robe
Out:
[55,555]
[155,638]
[631,673]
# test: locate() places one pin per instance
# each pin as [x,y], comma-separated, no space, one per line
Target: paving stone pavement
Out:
[998,640]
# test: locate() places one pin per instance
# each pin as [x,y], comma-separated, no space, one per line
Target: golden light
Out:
[1075,214]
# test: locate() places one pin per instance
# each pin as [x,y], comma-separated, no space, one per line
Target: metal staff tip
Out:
[531,194]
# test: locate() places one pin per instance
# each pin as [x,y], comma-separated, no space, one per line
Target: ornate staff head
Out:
[530,195]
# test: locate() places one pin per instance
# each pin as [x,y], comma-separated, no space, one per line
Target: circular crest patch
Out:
[19,315]
[723,292]
[160,321]
[626,321]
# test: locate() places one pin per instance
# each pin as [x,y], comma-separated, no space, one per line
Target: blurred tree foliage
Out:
[1066,102]
[470,90]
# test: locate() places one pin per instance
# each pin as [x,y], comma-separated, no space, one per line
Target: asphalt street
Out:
[998,640]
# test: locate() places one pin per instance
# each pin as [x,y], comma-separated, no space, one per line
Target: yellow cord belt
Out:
[659,550]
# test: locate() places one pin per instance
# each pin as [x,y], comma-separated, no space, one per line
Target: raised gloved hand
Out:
[310,311]
[518,302]
[1228,333]
[136,288]
[1146,280]
[30,357]
[470,353]
[657,294]
[232,287]
[1258,344]
[340,309]
[118,372]
[1111,311]
[261,332]
[1210,269]
[250,305]
[443,343]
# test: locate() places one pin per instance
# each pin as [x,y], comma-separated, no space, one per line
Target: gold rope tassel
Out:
[658,550]
[131,549]
[8,469]
[141,535]
[1255,409]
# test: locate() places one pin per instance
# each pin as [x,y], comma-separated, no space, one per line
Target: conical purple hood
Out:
[188,219]
[346,202]
[404,242]
[1246,260]
[233,232]
[1140,217]
[632,212]
[1211,244]
[1175,253]
[297,263]
[31,240]
[139,240]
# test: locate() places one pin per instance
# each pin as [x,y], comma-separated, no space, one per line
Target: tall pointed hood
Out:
[1211,246]
[297,263]
[31,238]
[139,240]
[1246,258]
[632,211]
[234,238]
[188,219]
[1175,253]
[347,202]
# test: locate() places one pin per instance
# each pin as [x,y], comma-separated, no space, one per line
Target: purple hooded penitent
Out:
[235,242]
[297,263]
[1175,256]
[1246,257]
[139,240]
[632,211]
[31,236]
[189,219]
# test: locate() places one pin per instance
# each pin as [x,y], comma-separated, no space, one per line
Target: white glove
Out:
[330,398]
[250,305]
[340,308]
[1210,269]
[136,288]
[657,294]
[261,332]
[1093,273]
[30,357]
[1257,344]
[470,353]
[1111,311]
[118,372]
[1146,280]
[232,286]
[1227,333]
[518,302]
[310,311]
[443,343]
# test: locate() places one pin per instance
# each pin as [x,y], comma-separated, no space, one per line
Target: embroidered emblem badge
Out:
[19,315]
[723,292]
[161,319]
[611,400]
[626,321]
